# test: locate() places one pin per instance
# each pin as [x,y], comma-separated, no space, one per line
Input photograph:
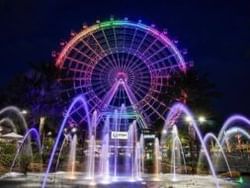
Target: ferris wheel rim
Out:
[91,29]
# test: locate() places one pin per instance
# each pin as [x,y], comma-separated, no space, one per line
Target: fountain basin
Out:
[62,179]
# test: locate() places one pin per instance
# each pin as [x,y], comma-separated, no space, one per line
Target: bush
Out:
[8,151]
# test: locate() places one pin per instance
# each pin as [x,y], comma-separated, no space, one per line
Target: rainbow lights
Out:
[112,23]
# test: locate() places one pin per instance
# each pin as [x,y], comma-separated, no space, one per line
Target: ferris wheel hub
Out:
[122,76]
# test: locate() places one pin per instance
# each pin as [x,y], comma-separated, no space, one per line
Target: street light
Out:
[74,130]
[202,119]
[188,119]
[24,112]
[164,131]
[49,133]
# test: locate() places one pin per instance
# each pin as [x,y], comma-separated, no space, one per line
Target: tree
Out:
[192,89]
[36,91]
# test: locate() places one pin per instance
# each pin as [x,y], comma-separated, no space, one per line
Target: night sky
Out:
[216,35]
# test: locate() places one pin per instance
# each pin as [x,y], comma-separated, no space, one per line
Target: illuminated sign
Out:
[149,136]
[119,135]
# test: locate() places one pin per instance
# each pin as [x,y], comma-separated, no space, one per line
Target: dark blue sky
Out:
[216,34]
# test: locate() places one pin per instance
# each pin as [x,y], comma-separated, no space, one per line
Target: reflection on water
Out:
[61,181]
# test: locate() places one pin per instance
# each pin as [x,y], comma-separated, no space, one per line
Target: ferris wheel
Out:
[119,62]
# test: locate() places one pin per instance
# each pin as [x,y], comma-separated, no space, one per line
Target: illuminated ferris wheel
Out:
[119,62]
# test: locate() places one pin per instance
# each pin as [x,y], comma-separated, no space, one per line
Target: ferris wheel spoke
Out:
[95,52]
[155,53]
[76,61]
[156,111]
[99,90]
[81,62]
[138,66]
[142,82]
[142,41]
[114,33]
[100,46]
[109,48]
[133,65]
[142,89]
[149,46]
[74,70]
[125,60]
[118,60]
[99,85]
[121,60]
[124,38]
[162,71]
[139,46]
[139,92]
[162,59]
[132,42]
[155,99]
[102,68]
[93,60]
[91,49]
[82,87]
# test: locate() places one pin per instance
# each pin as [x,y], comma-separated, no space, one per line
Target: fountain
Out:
[52,155]
[17,112]
[105,158]
[116,125]
[176,109]
[212,136]
[72,156]
[107,170]
[138,162]
[92,149]
[28,151]
[229,122]
[65,139]
[142,153]
[232,131]
[10,123]
[157,158]
[104,163]
[177,153]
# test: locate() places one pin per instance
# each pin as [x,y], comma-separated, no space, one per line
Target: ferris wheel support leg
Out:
[110,94]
